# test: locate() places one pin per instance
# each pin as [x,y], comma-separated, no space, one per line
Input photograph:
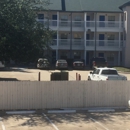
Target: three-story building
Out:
[88,28]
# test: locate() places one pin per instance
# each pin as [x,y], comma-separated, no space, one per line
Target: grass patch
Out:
[123,69]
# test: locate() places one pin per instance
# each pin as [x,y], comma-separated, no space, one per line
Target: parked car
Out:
[61,64]
[105,74]
[98,62]
[78,64]
[43,63]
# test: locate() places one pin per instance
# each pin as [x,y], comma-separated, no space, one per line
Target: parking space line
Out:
[50,122]
[2,124]
[99,123]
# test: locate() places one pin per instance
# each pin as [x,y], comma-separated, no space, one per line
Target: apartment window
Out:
[77,18]
[77,22]
[54,36]
[110,59]
[111,37]
[111,18]
[64,18]
[40,16]
[77,36]
[64,36]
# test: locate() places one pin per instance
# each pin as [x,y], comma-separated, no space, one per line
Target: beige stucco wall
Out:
[127,31]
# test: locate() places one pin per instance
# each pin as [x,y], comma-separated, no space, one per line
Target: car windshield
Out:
[109,72]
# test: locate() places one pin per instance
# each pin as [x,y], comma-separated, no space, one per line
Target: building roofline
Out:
[84,11]
[124,5]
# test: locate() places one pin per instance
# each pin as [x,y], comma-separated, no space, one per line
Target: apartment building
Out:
[85,28]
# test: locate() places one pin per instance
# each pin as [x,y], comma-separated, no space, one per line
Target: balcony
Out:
[74,23]
[77,44]
[49,23]
[104,44]
[79,25]
[105,24]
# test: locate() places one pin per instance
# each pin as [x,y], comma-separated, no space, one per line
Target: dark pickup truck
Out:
[98,62]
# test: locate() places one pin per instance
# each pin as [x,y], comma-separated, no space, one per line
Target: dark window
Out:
[40,16]
[109,72]
[101,54]
[64,36]
[99,59]
[55,36]
[111,18]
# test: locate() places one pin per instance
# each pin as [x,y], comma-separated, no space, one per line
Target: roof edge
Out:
[124,5]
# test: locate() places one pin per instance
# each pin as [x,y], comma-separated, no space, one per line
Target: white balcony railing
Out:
[75,42]
[67,23]
[105,24]
[104,43]
[79,43]
[74,23]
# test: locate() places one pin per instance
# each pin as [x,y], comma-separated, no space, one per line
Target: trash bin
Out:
[59,76]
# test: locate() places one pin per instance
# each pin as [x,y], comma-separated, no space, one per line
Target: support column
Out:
[95,45]
[85,38]
[57,36]
[57,44]
[119,39]
[56,54]
[119,55]
[57,20]
[120,23]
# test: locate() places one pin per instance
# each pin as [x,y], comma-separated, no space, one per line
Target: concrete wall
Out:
[63,94]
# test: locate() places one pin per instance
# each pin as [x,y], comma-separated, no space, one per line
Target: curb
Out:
[20,112]
[61,111]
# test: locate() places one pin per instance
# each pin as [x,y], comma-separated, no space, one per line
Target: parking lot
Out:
[15,74]
[75,121]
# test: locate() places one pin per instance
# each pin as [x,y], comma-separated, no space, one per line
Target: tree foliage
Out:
[22,38]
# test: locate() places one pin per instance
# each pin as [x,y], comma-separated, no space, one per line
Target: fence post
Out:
[39,76]
[79,77]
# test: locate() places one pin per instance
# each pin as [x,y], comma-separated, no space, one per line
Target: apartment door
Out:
[101,19]
[101,39]
[88,21]
[87,39]
[54,18]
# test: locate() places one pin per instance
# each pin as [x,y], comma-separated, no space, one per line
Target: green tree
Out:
[22,38]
